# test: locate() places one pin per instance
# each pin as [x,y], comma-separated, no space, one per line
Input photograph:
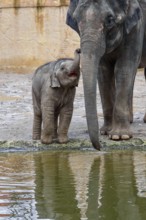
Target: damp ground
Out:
[16,117]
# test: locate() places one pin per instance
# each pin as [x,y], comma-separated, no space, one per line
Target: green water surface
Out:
[73,186]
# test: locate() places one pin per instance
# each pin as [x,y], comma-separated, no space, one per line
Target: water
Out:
[73,186]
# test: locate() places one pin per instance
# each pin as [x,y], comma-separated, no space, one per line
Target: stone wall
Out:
[34,32]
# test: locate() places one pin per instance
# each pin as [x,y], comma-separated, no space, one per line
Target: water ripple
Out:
[17,188]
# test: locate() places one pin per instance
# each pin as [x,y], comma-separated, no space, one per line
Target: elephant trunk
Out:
[76,62]
[90,57]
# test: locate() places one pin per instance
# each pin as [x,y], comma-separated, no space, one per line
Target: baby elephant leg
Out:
[64,123]
[55,135]
[37,121]
[48,125]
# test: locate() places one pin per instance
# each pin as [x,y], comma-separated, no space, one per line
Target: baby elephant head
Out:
[67,71]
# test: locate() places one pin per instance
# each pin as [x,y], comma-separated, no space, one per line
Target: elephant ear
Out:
[54,82]
[70,21]
[133,15]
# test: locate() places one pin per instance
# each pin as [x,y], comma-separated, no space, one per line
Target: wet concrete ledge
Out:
[73,145]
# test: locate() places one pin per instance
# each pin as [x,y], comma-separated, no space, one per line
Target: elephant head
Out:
[66,71]
[101,26]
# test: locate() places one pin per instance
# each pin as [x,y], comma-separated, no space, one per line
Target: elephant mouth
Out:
[72,74]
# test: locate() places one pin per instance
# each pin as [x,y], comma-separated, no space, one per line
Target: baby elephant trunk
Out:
[76,63]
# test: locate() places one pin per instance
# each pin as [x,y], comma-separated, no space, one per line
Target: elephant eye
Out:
[62,67]
[109,21]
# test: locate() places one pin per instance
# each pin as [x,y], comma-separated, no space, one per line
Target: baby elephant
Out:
[53,92]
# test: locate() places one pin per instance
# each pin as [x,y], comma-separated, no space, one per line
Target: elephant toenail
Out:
[125,137]
[115,137]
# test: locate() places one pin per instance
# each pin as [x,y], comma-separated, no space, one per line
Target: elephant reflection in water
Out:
[120,197]
[87,185]
[81,166]
[55,195]
[62,184]
[139,161]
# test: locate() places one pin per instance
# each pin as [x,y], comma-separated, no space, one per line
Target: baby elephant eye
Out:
[62,68]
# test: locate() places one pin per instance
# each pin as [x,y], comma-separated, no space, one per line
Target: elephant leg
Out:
[37,121]
[131,102]
[55,124]
[64,122]
[125,70]
[106,84]
[131,106]
[125,75]
[48,125]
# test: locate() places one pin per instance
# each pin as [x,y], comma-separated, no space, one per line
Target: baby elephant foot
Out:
[104,130]
[36,137]
[46,139]
[116,134]
[62,139]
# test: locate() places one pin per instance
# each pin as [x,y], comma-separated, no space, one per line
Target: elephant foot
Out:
[62,139]
[36,137]
[105,129]
[116,134]
[46,139]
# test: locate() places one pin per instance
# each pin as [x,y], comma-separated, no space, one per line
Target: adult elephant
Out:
[112,36]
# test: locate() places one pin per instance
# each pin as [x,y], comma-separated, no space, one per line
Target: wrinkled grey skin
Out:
[53,91]
[112,34]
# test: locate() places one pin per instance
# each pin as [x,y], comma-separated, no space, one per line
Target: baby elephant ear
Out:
[54,81]
[133,15]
